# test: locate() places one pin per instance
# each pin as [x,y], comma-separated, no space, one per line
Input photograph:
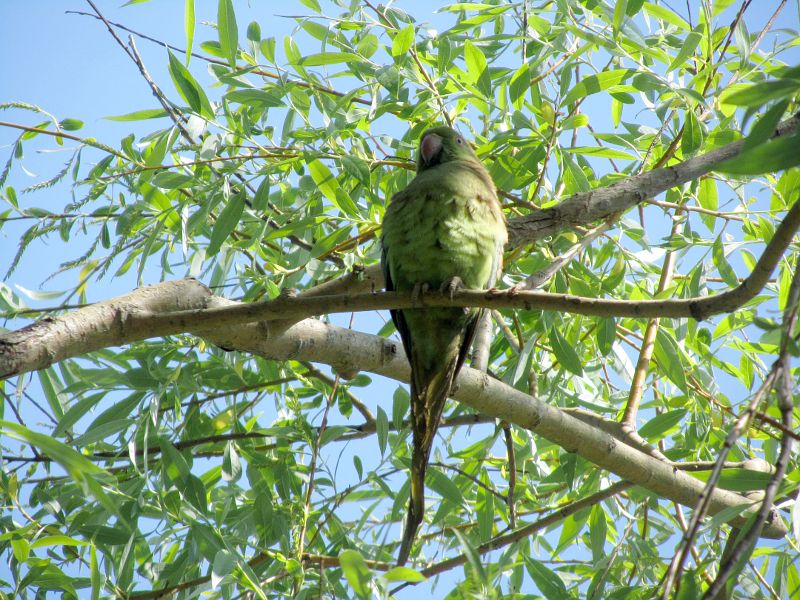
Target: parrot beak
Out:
[429,148]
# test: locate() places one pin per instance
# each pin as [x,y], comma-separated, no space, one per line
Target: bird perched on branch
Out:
[445,230]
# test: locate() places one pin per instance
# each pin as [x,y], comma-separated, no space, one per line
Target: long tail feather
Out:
[426,412]
[416,508]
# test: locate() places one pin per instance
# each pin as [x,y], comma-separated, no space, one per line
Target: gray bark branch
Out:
[110,324]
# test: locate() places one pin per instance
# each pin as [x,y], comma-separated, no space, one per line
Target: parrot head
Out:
[440,145]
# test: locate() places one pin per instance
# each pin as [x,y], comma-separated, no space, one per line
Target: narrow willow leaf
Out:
[226,222]
[660,425]
[764,128]
[189,89]
[669,358]
[723,266]
[565,353]
[760,93]
[403,40]
[382,429]
[687,48]
[774,155]
[477,68]
[188,26]
[328,58]
[597,83]
[357,573]
[546,580]
[708,198]
[444,486]
[693,134]
[228,31]
[404,574]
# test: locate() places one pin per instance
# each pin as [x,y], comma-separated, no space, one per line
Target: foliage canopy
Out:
[172,465]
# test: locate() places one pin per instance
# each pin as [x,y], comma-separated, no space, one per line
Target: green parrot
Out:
[445,230]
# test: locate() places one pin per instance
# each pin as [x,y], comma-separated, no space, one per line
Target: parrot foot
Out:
[451,286]
[514,291]
[419,288]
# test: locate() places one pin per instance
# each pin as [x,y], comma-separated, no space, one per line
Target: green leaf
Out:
[169,180]
[774,155]
[194,490]
[660,425]
[606,334]
[358,168]
[254,32]
[598,529]
[620,10]
[382,429]
[667,15]
[189,89]
[325,180]
[472,556]
[403,40]
[739,480]
[256,98]
[519,85]
[75,412]
[565,353]
[763,92]
[53,390]
[600,152]
[404,574]
[188,26]
[444,486]
[115,412]
[261,199]
[764,128]
[693,134]
[669,358]
[477,68]
[228,31]
[57,540]
[329,187]
[687,48]
[226,222]
[597,83]
[368,45]
[548,582]
[328,58]
[708,198]
[71,124]
[80,468]
[357,573]
[224,564]
[400,406]
[267,47]
[723,266]
[231,464]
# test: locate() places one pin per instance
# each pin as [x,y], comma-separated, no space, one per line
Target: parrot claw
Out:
[419,288]
[514,291]
[452,285]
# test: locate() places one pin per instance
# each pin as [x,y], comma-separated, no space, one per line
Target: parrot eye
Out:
[459,140]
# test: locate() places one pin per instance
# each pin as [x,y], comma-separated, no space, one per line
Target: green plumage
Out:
[446,226]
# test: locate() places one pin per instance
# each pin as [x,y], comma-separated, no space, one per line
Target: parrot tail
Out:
[427,404]
[416,508]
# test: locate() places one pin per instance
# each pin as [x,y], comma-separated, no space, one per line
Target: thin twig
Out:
[512,475]
[783,387]
[312,469]
[649,339]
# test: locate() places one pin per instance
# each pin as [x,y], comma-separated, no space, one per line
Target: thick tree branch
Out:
[588,207]
[53,339]
[105,325]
